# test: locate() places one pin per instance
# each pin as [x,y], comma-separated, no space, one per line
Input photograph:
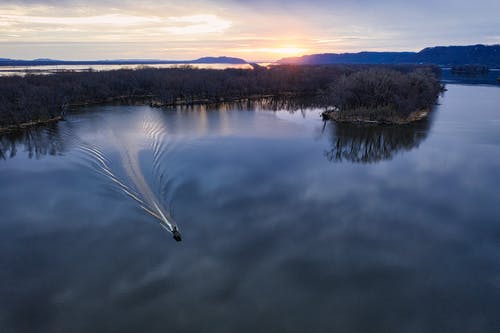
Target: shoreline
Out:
[337,116]
[33,123]
[143,100]
[331,115]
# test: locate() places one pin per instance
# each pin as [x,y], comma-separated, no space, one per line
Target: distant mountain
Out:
[488,55]
[44,59]
[461,55]
[44,62]
[219,60]
[352,58]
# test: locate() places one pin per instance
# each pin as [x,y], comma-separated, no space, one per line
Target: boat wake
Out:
[152,137]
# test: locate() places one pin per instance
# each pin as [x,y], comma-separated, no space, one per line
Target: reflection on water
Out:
[130,139]
[359,143]
[287,103]
[157,136]
[50,139]
[53,69]
[36,142]
[276,238]
[355,143]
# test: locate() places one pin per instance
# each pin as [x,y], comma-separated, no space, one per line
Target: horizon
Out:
[254,31]
[225,56]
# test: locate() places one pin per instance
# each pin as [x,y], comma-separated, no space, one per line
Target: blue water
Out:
[288,224]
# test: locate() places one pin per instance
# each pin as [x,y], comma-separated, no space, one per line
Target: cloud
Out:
[111,19]
[198,24]
[263,29]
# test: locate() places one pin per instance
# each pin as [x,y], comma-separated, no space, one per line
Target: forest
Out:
[382,96]
[36,99]
[470,70]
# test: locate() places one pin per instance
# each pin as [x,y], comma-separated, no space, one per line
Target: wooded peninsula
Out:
[372,93]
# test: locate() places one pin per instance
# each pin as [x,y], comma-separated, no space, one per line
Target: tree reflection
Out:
[359,143]
[354,143]
[288,103]
[36,142]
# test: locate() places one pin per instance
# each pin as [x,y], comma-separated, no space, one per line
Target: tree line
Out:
[470,70]
[383,95]
[38,98]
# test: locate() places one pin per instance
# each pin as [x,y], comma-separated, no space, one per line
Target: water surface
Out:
[52,69]
[288,224]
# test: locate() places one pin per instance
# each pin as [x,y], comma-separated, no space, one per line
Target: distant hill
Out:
[461,55]
[52,62]
[488,55]
[219,60]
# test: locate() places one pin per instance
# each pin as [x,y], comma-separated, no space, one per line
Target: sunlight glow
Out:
[253,30]
[282,51]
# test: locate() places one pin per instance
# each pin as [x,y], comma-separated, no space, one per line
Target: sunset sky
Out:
[253,30]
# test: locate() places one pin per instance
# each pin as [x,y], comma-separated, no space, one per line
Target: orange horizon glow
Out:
[189,30]
[270,52]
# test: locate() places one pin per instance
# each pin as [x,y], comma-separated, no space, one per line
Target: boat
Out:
[176,234]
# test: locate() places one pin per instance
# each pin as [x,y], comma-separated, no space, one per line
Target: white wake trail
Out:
[134,184]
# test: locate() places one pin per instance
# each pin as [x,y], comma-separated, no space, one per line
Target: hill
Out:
[488,55]
[218,60]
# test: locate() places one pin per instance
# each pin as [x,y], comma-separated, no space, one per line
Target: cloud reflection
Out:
[276,237]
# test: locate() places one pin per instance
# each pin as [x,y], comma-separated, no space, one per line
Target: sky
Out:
[254,30]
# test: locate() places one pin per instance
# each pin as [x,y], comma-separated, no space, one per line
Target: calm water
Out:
[51,69]
[288,225]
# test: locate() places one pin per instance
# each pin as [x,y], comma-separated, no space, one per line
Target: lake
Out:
[288,224]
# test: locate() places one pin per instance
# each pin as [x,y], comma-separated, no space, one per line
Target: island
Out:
[383,96]
[470,70]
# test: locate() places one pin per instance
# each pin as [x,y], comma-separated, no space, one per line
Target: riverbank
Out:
[148,100]
[375,117]
[30,124]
